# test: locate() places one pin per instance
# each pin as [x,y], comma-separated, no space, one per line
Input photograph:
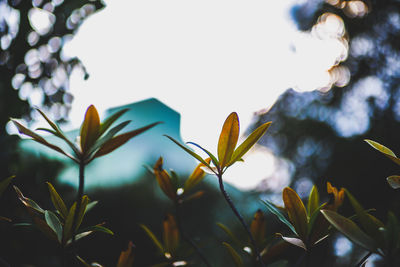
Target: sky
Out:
[204,59]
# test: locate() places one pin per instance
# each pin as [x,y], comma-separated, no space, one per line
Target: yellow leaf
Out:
[196,176]
[257,227]
[296,211]
[57,201]
[228,139]
[164,179]
[90,128]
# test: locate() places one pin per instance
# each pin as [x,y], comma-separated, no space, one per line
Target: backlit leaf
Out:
[193,154]
[296,211]
[4,183]
[250,141]
[104,126]
[98,228]
[386,151]
[228,139]
[90,128]
[350,230]
[164,180]
[196,176]
[313,201]
[57,201]
[121,139]
[153,238]
[394,181]
[258,227]
[54,223]
[235,256]
[214,160]
[294,241]
[274,210]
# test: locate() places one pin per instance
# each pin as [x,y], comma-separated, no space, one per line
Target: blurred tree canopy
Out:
[33,68]
[322,132]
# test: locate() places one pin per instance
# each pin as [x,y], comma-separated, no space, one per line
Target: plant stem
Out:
[360,263]
[187,239]
[239,216]
[78,197]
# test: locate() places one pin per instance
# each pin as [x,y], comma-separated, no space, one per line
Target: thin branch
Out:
[361,262]
[78,197]
[239,216]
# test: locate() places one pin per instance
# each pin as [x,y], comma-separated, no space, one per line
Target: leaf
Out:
[110,120]
[392,233]
[29,203]
[5,183]
[294,241]
[250,141]
[54,223]
[296,211]
[170,234]
[90,129]
[164,180]
[121,139]
[369,223]
[196,176]
[57,132]
[126,257]
[67,233]
[394,181]
[57,201]
[274,210]
[257,227]
[212,157]
[350,230]
[386,151]
[229,233]
[5,219]
[193,154]
[110,134]
[91,205]
[98,228]
[82,210]
[153,238]
[41,140]
[235,256]
[313,201]
[228,139]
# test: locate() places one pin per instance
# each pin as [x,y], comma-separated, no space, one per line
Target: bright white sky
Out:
[204,59]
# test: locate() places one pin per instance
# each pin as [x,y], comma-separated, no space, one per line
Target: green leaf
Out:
[90,129]
[82,211]
[274,210]
[110,134]
[313,201]
[41,140]
[294,241]
[110,120]
[229,233]
[296,211]
[394,181]
[121,139]
[211,156]
[29,203]
[54,223]
[193,154]
[313,219]
[57,132]
[67,233]
[5,183]
[350,230]
[45,229]
[392,233]
[57,201]
[250,141]
[386,151]
[369,223]
[153,238]
[228,139]
[91,205]
[235,256]
[99,228]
